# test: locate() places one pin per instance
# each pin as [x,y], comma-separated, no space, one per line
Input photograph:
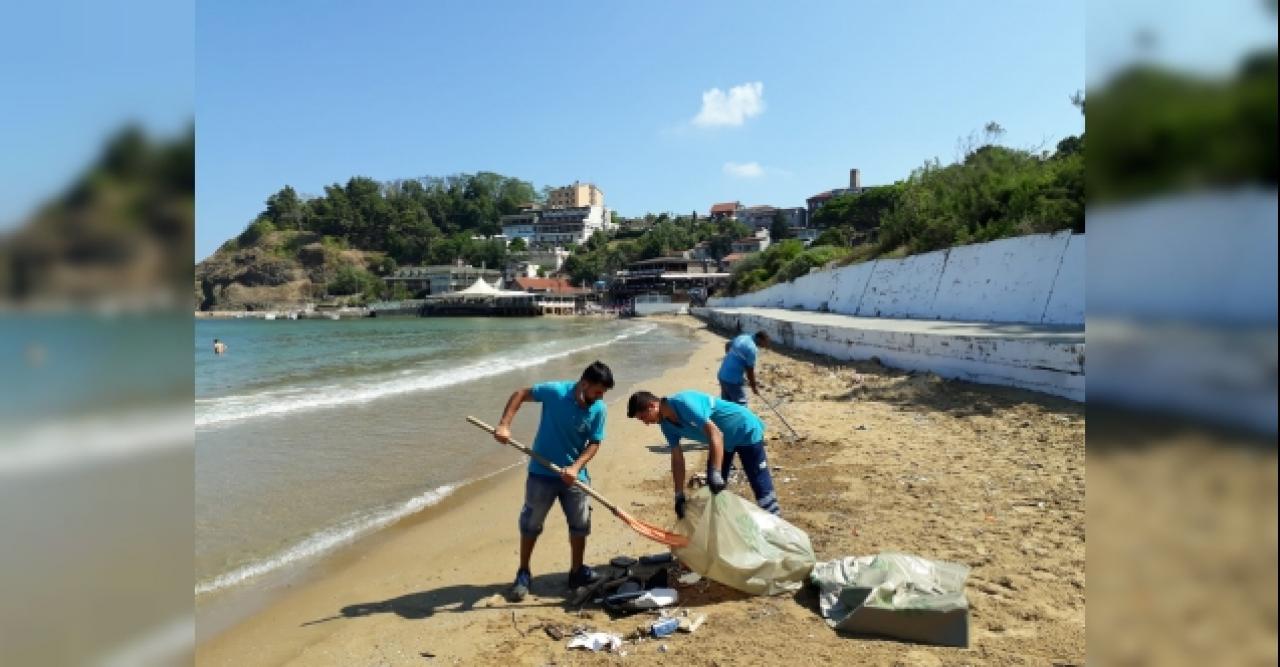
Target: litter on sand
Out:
[596,641]
[895,595]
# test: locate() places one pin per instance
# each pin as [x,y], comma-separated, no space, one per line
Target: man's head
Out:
[595,381]
[644,406]
[761,338]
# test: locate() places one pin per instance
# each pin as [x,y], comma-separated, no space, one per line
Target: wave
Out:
[295,399]
[326,540]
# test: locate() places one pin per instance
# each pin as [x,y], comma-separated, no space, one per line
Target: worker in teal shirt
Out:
[570,431]
[728,429]
[739,360]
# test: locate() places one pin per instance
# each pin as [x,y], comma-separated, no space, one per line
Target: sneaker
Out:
[584,576]
[520,589]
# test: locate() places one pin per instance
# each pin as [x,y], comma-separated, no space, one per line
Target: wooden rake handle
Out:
[541,459]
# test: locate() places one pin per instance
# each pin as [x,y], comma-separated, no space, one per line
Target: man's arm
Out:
[715,444]
[677,468]
[751,378]
[570,474]
[502,432]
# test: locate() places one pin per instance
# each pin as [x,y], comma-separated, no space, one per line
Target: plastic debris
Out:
[736,543]
[691,625]
[596,641]
[895,595]
[665,627]
[656,598]
[689,578]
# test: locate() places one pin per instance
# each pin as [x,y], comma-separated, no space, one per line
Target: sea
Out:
[311,434]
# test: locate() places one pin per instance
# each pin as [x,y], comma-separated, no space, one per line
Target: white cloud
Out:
[732,109]
[744,169]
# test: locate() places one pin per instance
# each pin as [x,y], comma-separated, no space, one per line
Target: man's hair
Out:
[760,335]
[639,401]
[598,373]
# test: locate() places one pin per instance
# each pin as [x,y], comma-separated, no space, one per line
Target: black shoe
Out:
[520,589]
[584,576]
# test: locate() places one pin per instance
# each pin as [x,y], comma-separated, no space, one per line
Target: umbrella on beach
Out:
[646,529]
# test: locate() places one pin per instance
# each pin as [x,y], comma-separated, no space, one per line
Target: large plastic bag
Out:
[736,543]
[897,595]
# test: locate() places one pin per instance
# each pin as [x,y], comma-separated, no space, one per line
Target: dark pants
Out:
[755,465]
[734,393]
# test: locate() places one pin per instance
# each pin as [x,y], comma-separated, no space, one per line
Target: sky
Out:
[666,106]
[73,72]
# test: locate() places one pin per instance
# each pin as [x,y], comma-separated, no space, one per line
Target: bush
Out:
[813,257]
[353,280]
[254,232]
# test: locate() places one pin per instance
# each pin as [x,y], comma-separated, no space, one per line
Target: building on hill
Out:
[755,243]
[726,210]
[560,227]
[674,276]
[440,278]
[575,196]
[819,200]
[519,225]
[757,217]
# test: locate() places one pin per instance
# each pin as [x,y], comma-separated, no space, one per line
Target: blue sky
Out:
[312,93]
[72,72]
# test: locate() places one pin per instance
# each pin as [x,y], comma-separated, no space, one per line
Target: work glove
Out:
[679,505]
[715,481]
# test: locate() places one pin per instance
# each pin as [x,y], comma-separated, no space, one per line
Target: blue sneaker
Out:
[520,589]
[584,576]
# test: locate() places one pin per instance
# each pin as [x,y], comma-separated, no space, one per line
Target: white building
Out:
[560,227]
[519,225]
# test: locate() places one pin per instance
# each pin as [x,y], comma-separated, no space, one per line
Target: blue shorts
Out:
[755,465]
[734,393]
[541,492]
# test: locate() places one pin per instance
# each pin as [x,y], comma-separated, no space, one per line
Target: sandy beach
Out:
[986,476]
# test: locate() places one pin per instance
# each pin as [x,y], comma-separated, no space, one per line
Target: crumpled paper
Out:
[596,641]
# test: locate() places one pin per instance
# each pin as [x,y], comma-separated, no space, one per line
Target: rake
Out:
[646,529]
[774,407]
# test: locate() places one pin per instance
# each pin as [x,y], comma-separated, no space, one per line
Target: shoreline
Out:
[237,624]
[992,477]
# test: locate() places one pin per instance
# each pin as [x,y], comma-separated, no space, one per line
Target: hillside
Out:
[282,269]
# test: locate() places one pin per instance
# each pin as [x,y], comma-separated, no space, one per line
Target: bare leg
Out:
[526,550]
[577,545]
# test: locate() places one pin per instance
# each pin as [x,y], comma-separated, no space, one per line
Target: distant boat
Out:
[269,316]
[293,316]
[334,316]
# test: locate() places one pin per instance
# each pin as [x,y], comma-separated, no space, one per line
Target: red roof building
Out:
[549,286]
[725,210]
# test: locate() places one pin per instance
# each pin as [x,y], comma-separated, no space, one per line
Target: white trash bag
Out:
[736,543]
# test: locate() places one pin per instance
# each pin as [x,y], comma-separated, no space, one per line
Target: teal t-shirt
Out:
[738,425]
[565,429]
[741,355]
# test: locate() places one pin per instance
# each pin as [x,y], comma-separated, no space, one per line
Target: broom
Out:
[646,529]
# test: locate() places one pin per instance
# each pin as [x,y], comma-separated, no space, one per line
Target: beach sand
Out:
[986,476]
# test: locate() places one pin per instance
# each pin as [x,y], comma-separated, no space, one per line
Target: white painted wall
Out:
[1206,257]
[643,309]
[1050,364]
[1030,279]
[1008,280]
[1067,295]
[904,287]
